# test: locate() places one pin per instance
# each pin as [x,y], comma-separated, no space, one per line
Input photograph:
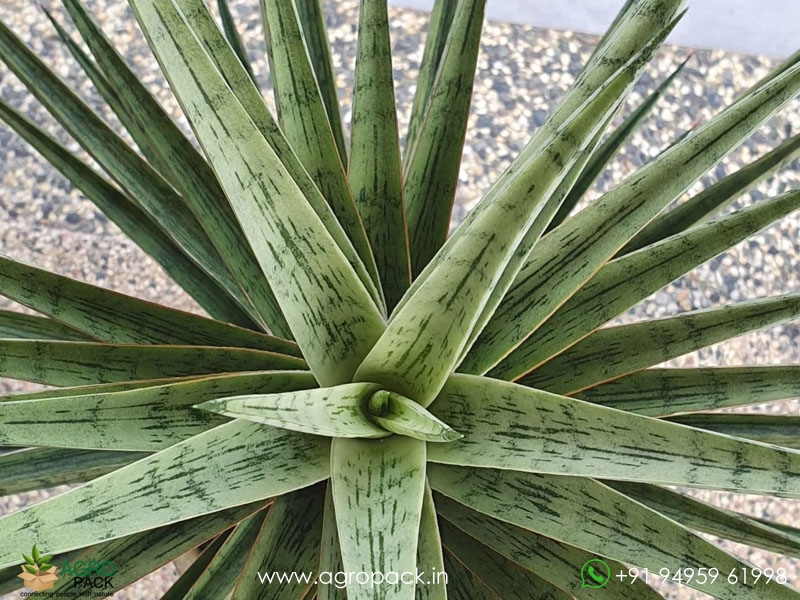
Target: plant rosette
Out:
[367,394]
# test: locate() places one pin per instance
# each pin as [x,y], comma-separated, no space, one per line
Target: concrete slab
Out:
[766,27]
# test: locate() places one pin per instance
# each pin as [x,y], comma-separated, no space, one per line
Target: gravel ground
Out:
[522,73]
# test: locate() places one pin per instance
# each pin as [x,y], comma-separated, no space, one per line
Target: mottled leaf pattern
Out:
[557,442]
[659,392]
[113,317]
[507,426]
[145,419]
[249,463]
[375,171]
[555,562]
[621,283]
[287,543]
[566,509]
[378,487]
[83,363]
[335,412]
[615,351]
[290,241]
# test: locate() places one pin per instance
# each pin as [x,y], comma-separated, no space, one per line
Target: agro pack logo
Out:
[83,574]
[90,574]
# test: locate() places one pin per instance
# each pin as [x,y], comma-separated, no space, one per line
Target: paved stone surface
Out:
[521,75]
[766,27]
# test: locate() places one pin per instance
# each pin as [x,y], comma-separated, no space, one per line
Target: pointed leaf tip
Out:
[403,416]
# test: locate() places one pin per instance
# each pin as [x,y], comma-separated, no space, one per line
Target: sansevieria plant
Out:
[368,399]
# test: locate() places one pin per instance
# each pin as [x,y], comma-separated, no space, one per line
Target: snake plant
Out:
[365,396]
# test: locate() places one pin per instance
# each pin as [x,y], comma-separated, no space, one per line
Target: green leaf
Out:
[220,578]
[79,363]
[375,171]
[332,316]
[132,220]
[507,426]
[335,412]
[189,577]
[37,468]
[304,119]
[430,562]
[609,148]
[462,584]
[45,559]
[711,519]
[16,325]
[506,578]
[428,333]
[378,488]
[231,465]
[29,559]
[566,509]
[113,317]
[439,26]
[625,281]
[36,554]
[208,35]
[311,17]
[31,570]
[402,415]
[779,430]
[624,49]
[715,197]
[661,392]
[135,128]
[86,390]
[553,561]
[559,193]
[132,173]
[194,177]
[233,37]
[595,234]
[615,351]
[146,419]
[434,160]
[533,234]
[288,543]
[138,555]
[330,554]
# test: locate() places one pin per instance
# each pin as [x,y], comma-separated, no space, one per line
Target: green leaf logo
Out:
[37,561]
[37,572]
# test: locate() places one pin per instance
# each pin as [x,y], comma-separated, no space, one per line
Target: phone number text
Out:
[703,576]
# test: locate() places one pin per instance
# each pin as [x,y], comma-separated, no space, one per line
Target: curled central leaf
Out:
[398,414]
[352,410]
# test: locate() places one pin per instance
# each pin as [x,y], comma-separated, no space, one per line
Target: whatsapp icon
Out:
[595,573]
